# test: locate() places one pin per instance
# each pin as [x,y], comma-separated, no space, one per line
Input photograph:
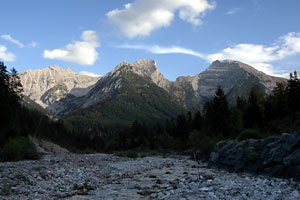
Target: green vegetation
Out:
[19,148]
[141,117]
[137,99]
[18,120]
[251,118]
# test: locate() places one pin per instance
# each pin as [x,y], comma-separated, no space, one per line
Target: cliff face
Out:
[235,78]
[46,86]
[63,91]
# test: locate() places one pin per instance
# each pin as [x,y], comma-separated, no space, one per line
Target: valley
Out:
[149,99]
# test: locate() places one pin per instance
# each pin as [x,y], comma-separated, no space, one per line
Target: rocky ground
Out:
[103,176]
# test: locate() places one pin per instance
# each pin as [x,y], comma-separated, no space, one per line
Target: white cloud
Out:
[233,11]
[290,45]
[6,56]
[10,39]
[89,74]
[260,56]
[156,49]
[256,55]
[79,52]
[141,17]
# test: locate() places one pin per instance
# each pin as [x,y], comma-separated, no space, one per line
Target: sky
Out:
[183,36]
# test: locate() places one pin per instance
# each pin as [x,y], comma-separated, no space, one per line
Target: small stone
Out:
[153,195]
[159,181]
[295,194]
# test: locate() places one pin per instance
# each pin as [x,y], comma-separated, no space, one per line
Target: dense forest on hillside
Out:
[20,117]
[256,117]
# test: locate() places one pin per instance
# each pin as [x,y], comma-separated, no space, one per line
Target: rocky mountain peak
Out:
[232,64]
[143,67]
[55,68]
[37,83]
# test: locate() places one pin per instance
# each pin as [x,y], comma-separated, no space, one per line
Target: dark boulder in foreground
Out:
[275,156]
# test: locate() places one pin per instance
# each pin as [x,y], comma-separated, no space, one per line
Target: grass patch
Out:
[19,148]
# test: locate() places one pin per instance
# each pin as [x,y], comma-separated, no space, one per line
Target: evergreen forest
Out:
[258,116]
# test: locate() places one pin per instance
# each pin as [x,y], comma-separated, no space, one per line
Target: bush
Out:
[249,134]
[19,148]
[203,144]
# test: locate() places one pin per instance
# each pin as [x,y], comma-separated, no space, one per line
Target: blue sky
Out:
[183,36]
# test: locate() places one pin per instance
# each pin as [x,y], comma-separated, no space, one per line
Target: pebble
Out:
[295,194]
[104,176]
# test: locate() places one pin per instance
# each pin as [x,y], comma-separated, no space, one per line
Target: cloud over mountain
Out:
[261,56]
[6,56]
[141,17]
[79,52]
[156,49]
[92,74]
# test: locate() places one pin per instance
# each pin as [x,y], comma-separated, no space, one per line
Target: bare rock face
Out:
[113,80]
[62,91]
[235,78]
[226,74]
[46,86]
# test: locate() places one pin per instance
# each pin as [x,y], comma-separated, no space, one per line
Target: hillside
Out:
[136,98]
[62,91]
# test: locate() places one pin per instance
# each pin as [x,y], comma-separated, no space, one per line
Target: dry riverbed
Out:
[104,176]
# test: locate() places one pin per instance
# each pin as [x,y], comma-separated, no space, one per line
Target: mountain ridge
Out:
[37,82]
[192,92]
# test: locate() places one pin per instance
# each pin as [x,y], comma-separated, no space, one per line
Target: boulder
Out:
[275,156]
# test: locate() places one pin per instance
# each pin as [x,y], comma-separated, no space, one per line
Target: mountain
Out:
[46,86]
[235,78]
[63,91]
[121,98]
[32,105]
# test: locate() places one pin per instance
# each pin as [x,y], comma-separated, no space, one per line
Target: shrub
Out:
[203,144]
[249,134]
[19,148]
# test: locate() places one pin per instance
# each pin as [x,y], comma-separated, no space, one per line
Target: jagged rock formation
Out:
[235,78]
[64,91]
[120,98]
[46,86]
[276,156]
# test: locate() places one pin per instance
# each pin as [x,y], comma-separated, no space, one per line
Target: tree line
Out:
[258,116]
[255,117]
[17,121]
